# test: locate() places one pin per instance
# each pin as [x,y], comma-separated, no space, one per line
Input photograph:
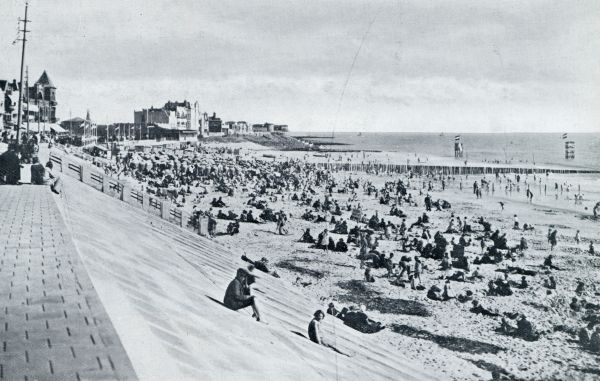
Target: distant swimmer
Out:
[501,204]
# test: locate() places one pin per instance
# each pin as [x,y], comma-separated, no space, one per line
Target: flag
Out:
[564,136]
[457,138]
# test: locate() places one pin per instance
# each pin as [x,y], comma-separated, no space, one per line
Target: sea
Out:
[513,148]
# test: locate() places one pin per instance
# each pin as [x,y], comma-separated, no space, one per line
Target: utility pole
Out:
[19,108]
[27,93]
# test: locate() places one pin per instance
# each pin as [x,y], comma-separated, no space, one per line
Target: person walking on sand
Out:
[577,237]
[553,241]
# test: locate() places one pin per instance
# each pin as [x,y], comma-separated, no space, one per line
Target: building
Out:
[281,128]
[10,97]
[215,125]
[236,128]
[263,128]
[203,125]
[38,104]
[81,131]
[43,95]
[173,121]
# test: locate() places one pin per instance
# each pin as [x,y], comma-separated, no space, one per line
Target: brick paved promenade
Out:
[52,323]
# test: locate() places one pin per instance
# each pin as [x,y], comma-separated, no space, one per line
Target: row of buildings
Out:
[38,103]
[185,121]
[173,121]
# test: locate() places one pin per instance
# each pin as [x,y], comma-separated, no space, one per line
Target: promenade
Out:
[53,325]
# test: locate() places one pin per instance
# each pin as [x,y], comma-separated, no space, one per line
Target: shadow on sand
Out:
[290,264]
[456,344]
[360,293]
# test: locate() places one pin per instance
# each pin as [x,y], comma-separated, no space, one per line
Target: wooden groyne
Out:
[448,169]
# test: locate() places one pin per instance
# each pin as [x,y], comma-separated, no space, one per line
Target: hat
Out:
[318,312]
[331,304]
[246,271]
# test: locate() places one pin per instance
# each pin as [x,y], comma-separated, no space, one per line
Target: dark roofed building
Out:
[43,95]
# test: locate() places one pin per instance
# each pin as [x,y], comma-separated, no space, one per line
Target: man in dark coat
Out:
[10,169]
[237,295]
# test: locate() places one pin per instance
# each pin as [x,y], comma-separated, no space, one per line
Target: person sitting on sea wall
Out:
[38,172]
[238,296]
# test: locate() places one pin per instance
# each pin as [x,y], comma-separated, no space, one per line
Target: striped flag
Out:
[564,136]
[457,138]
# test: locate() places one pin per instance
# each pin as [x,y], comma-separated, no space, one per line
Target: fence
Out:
[444,169]
[92,176]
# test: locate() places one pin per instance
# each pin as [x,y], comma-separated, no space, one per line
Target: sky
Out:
[329,65]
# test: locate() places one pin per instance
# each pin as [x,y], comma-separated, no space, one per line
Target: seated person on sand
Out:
[467,296]
[466,227]
[262,265]
[447,294]
[527,227]
[523,284]
[331,244]
[479,309]
[463,241]
[499,287]
[233,228]
[322,240]
[526,329]
[550,283]
[591,249]
[575,305]
[419,222]
[314,327]
[237,295]
[475,275]
[359,320]
[506,327]
[307,237]
[458,276]
[426,234]
[435,293]
[395,211]
[341,228]
[594,344]
[523,244]
[368,276]
[341,246]
[446,262]
[331,310]
[314,331]
[487,227]
[250,218]
[451,229]
[548,262]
